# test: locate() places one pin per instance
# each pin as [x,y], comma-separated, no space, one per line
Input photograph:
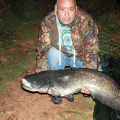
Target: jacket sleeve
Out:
[43,45]
[89,32]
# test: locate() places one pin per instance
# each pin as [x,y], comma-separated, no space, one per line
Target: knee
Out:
[53,51]
[99,68]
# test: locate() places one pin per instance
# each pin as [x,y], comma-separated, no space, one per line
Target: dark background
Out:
[28,8]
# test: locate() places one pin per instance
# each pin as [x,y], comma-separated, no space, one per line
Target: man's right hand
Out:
[85,90]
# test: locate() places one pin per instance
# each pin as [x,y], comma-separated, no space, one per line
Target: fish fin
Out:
[70,98]
[56,99]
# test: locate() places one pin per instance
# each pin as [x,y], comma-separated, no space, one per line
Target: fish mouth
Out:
[34,87]
[27,85]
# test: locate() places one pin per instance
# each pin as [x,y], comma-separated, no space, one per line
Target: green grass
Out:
[14,65]
[109,34]
[107,15]
[15,61]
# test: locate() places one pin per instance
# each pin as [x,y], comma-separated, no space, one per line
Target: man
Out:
[68,37]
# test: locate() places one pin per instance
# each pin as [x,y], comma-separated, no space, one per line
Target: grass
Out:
[14,56]
[109,34]
[18,56]
[107,16]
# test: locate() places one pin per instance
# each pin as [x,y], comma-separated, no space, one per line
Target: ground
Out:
[18,104]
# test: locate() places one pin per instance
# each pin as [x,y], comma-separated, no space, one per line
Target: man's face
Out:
[66,11]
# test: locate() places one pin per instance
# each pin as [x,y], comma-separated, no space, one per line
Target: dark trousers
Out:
[102,112]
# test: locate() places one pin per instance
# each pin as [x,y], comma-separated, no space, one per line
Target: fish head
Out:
[34,86]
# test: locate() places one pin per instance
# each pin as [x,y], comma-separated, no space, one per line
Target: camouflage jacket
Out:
[84,33]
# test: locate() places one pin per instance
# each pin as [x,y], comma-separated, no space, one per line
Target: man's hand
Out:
[85,90]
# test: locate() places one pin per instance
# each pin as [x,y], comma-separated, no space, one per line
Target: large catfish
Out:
[67,82]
